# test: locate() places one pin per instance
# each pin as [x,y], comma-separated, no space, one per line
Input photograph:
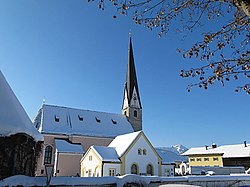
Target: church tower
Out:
[131,106]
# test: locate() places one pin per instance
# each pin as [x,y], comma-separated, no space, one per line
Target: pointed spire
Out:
[131,86]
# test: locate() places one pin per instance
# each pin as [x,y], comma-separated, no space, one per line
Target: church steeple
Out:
[132,107]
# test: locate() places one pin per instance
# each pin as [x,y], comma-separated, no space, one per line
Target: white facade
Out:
[147,156]
[111,169]
[91,165]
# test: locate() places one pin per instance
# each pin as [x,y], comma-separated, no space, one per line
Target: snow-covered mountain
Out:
[172,154]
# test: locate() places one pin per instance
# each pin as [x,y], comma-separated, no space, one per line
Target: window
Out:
[112,172]
[48,155]
[42,171]
[198,159]
[191,159]
[135,113]
[144,152]
[57,118]
[215,159]
[97,120]
[114,122]
[134,169]
[80,118]
[206,159]
[139,151]
[90,158]
[150,170]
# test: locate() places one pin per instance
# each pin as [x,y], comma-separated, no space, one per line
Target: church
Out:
[70,132]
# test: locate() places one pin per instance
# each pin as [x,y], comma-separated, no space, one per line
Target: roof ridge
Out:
[82,109]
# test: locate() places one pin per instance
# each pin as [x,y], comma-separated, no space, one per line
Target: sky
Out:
[72,54]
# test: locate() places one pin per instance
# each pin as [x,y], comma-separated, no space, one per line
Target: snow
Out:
[13,118]
[119,181]
[109,125]
[63,146]
[228,151]
[107,154]
[121,143]
[168,156]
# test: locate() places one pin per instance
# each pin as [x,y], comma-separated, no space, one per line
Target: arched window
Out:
[48,155]
[150,170]
[134,169]
[139,151]
[135,113]
[144,152]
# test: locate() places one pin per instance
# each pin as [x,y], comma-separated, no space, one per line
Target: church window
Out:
[150,170]
[135,113]
[97,120]
[144,152]
[125,113]
[80,118]
[139,151]
[57,118]
[114,122]
[48,155]
[134,169]
[90,158]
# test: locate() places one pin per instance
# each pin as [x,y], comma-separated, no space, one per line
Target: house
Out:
[20,142]
[227,155]
[86,127]
[130,153]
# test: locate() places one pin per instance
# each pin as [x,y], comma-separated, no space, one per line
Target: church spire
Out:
[131,102]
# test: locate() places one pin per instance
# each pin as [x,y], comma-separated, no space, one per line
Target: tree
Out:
[225,52]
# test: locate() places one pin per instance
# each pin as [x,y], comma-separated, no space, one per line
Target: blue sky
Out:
[72,54]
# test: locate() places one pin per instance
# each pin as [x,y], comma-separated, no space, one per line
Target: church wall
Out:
[132,157]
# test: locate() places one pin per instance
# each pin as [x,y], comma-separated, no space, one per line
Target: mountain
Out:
[172,154]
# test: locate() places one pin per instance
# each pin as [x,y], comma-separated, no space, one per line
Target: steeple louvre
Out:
[132,107]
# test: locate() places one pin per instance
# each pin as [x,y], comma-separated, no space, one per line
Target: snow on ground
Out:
[120,181]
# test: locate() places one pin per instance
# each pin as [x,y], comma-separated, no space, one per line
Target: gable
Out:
[142,142]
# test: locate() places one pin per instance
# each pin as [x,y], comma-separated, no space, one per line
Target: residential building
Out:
[227,155]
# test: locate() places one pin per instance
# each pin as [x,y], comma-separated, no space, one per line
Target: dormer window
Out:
[114,122]
[57,118]
[80,118]
[97,120]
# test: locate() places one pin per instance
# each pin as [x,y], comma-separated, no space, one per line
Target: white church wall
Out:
[141,160]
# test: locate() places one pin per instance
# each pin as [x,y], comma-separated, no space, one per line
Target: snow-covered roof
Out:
[13,118]
[62,146]
[169,157]
[71,121]
[107,154]
[121,143]
[227,151]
